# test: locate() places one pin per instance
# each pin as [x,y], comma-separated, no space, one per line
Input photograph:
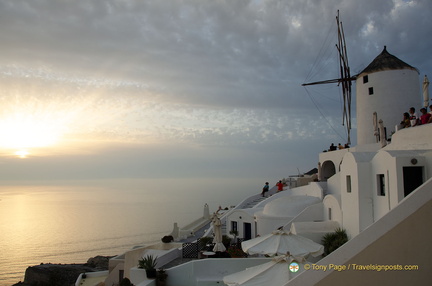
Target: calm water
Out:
[70,223]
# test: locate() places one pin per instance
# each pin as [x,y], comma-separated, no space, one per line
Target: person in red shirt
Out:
[430,118]
[424,118]
[279,186]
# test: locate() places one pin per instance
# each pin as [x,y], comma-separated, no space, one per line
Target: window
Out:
[348,184]
[329,214]
[371,91]
[234,226]
[380,185]
[365,79]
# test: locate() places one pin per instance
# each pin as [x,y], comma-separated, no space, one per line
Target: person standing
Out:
[279,186]
[425,117]
[265,189]
[414,118]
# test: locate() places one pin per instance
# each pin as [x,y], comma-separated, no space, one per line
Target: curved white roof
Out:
[289,206]
[362,156]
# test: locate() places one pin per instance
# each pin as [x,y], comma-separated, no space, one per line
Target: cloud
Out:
[214,74]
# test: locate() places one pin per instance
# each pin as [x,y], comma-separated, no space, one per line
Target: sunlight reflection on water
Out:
[71,223]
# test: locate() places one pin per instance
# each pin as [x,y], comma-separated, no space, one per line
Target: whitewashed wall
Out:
[241,217]
[332,202]
[395,91]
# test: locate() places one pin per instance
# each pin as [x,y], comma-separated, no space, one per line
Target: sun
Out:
[23,132]
[22,153]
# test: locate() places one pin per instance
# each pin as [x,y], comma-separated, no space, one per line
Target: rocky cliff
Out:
[61,274]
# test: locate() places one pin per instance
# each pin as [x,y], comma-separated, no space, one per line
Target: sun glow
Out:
[22,153]
[44,113]
[22,132]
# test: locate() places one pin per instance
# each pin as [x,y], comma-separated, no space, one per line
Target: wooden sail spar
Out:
[344,80]
[344,73]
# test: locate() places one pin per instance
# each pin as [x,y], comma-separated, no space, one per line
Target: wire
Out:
[324,50]
[322,114]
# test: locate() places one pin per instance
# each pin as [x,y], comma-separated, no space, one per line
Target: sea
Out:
[69,222]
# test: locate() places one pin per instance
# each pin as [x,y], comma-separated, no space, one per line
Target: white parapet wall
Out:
[167,252]
[190,229]
[313,189]
[309,214]
[314,230]
[91,278]
[209,271]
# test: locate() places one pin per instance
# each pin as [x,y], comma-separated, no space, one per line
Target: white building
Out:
[382,195]
[242,222]
[368,179]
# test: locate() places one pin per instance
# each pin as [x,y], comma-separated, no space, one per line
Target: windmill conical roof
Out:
[386,61]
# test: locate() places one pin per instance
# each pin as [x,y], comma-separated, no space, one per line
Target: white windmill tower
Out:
[385,89]
[388,87]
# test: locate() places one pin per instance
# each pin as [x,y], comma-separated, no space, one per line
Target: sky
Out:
[192,88]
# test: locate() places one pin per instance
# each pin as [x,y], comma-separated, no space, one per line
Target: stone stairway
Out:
[256,199]
[254,202]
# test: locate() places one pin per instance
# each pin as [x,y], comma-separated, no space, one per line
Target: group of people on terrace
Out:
[333,147]
[411,118]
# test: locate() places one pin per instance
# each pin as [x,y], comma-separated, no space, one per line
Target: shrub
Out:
[167,238]
[333,240]
[161,275]
[205,241]
[226,240]
[236,252]
[148,262]
[126,282]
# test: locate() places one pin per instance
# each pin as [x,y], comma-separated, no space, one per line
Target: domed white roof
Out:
[289,206]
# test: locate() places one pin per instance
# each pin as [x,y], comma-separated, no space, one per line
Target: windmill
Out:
[344,80]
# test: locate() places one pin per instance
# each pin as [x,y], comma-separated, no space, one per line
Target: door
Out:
[413,178]
[247,231]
